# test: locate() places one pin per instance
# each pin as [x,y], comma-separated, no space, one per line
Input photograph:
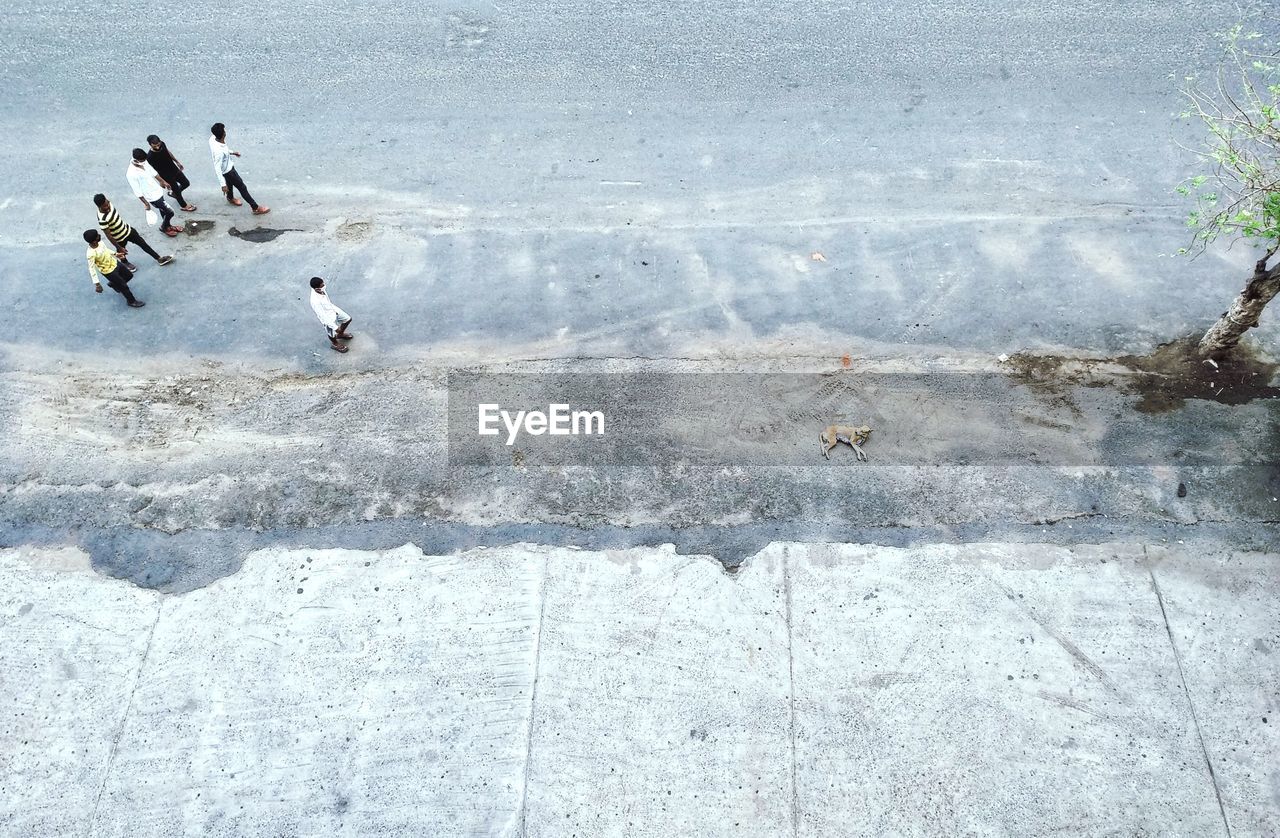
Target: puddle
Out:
[261,234]
[1175,372]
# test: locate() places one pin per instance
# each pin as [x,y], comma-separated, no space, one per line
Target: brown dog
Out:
[855,437]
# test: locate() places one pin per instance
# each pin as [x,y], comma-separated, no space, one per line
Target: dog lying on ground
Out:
[855,437]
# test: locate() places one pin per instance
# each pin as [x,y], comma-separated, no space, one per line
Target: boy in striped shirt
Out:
[102,260]
[120,234]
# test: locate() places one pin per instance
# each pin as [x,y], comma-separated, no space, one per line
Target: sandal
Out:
[337,347]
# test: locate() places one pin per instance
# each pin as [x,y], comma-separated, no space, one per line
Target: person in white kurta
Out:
[335,320]
[149,188]
[226,170]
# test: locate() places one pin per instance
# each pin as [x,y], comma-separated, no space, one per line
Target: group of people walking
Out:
[155,176]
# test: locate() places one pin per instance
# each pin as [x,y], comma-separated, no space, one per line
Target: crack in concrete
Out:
[1090,665]
[791,695]
[1076,516]
[1182,679]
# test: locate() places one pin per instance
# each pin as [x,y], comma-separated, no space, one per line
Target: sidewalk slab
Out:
[71,645]
[989,690]
[331,692]
[662,700]
[822,690]
[1224,616]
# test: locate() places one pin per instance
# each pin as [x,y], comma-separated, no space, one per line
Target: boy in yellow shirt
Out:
[102,260]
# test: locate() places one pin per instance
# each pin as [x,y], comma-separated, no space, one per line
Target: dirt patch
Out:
[1163,380]
[196,226]
[261,234]
[1055,377]
[1176,372]
[354,230]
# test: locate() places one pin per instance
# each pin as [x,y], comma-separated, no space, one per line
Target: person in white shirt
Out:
[150,189]
[226,170]
[335,320]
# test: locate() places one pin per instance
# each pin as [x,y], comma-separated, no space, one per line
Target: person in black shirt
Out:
[169,168]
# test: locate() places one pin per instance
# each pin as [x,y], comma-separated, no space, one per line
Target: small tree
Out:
[1239,197]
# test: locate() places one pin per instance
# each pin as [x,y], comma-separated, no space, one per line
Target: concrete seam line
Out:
[1195,719]
[533,697]
[791,692]
[124,719]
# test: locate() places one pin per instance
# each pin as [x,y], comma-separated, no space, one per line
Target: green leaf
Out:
[1238,147]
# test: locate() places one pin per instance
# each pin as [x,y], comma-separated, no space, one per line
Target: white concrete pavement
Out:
[821,690]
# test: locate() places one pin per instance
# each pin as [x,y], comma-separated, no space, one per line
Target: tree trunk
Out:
[1243,315]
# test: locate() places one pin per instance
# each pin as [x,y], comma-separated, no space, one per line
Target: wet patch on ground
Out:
[181,562]
[1163,379]
[196,226]
[1176,371]
[259,235]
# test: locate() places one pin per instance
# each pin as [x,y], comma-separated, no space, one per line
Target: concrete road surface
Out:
[1045,605]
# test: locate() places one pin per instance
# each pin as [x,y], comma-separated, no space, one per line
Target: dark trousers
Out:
[177,183]
[166,214]
[118,281]
[235,182]
[136,238]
